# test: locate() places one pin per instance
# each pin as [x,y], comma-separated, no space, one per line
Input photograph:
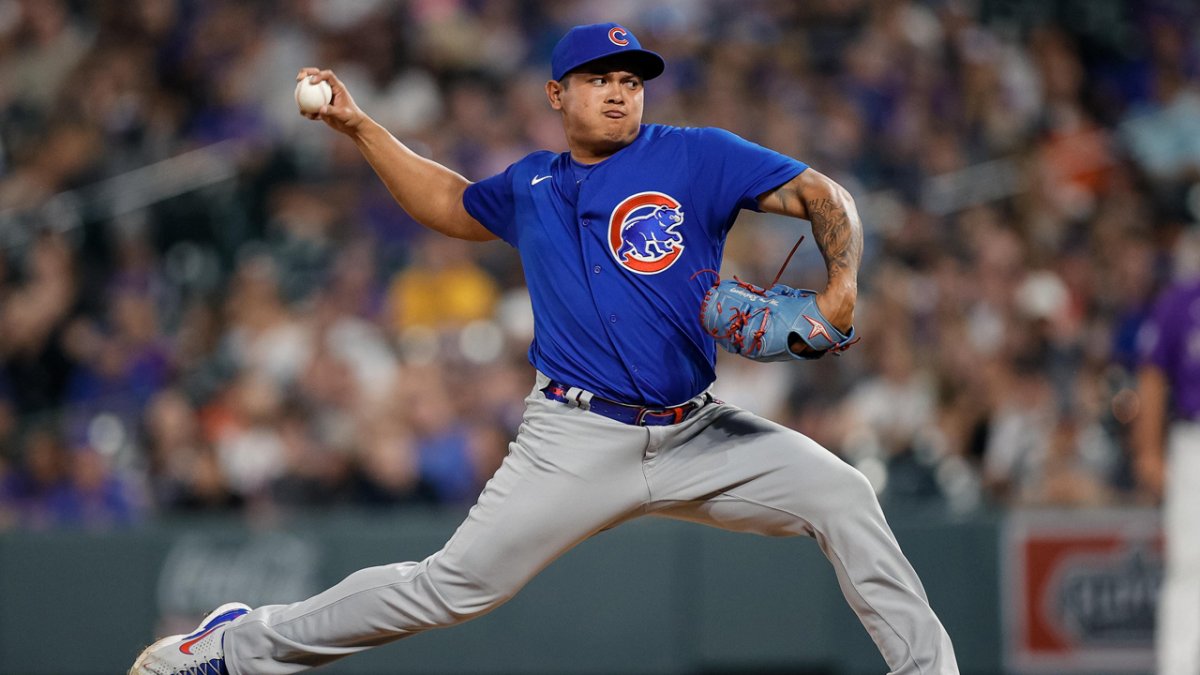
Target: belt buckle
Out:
[676,413]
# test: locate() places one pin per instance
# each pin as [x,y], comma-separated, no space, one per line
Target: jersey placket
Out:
[593,243]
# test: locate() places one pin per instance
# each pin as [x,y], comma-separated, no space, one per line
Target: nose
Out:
[615,93]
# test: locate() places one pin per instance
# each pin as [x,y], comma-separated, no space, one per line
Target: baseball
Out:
[310,97]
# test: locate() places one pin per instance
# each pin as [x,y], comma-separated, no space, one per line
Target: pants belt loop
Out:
[584,400]
[572,397]
[578,398]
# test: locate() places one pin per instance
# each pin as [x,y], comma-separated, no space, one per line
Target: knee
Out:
[851,492]
[822,497]
[433,593]
[858,486]
[463,595]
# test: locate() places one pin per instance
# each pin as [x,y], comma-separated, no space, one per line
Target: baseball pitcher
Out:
[619,238]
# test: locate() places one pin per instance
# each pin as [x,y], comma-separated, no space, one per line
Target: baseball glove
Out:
[760,323]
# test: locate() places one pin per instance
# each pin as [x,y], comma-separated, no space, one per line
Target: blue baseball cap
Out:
[584,44]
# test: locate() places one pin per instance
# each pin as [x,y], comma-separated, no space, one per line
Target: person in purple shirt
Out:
[1167,433]
[614,237]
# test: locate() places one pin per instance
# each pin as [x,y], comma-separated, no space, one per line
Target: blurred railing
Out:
[124,193]
[979,184]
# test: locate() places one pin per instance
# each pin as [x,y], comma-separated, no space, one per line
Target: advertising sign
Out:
[1080,590]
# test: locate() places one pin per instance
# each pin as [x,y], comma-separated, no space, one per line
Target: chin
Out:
[610,137]
[622,134]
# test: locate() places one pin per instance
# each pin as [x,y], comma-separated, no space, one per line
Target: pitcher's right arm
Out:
[429,192]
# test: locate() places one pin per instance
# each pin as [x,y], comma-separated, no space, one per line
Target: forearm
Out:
[838,232]
[429,192]
[1147,432]
[836,226]
[1152,401]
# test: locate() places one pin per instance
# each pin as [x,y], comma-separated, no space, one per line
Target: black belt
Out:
[642,416]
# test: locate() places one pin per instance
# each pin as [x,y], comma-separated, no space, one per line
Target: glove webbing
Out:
[741,317]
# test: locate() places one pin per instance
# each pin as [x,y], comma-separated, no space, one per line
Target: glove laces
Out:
[741,318]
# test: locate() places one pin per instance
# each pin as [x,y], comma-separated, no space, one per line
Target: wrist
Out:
[838,309]
[365,131]
[842,290]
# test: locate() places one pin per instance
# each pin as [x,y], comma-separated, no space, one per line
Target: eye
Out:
[597,81]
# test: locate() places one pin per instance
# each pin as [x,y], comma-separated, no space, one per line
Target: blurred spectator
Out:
[1066,480]
[264,337]
[183,467]
[455,453]
[387,467]
[47,42]
[1163,134]
[57,487]
[119,367]
[443,288]
[245,428]
[1021,431]
[890,416]
[35,315]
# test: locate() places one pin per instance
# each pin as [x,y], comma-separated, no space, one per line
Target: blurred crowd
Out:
[209,303]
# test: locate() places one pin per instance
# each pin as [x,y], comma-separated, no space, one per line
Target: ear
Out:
[554,90]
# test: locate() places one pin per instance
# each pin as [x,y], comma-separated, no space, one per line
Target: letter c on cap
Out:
[617,36]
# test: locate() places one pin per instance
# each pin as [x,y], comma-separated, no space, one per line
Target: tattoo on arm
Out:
[836,227]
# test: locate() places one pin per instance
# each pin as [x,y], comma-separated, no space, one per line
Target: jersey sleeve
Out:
[735,170]
[491,202]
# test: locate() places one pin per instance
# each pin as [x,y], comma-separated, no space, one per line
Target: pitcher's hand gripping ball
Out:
[310,97]
[761,324]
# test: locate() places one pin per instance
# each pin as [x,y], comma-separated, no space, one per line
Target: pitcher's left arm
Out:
[838,231]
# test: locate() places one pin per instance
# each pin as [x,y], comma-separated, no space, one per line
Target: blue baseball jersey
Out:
[611,253]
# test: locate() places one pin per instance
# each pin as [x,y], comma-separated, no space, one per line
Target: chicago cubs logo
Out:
[643,232]
[617,36]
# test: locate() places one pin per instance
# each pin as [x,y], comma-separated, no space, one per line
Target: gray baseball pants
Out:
[570,474]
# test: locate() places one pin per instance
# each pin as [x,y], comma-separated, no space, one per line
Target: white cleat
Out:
[199,653]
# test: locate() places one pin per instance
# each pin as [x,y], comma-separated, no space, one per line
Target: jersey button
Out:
[586,222]
[596,269]
[612,318]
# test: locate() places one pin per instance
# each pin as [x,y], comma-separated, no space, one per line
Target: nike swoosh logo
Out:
[538,179]
[217,622]
[186,647]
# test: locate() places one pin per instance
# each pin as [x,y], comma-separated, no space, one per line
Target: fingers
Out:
[325,114]
[316,75]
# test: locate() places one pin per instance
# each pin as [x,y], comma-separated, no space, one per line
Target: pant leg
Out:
[568,474]
[1178,634]
[734,470]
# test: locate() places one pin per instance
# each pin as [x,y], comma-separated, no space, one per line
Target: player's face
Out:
[602,112]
